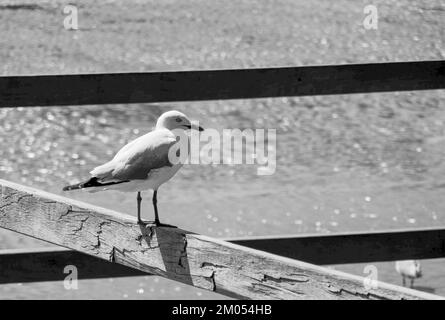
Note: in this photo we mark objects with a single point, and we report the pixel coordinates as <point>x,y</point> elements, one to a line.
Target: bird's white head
<point>175,120</point>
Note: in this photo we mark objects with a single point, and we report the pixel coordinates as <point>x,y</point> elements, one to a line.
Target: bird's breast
<point>157,177</point>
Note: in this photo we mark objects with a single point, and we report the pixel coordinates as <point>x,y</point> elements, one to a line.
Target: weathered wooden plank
<point>48,264</point>
<point>177,254</point>
<point>360,247</point>
<point>81,89</point>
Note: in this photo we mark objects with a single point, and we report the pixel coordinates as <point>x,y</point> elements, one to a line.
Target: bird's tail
<point>92,182</point>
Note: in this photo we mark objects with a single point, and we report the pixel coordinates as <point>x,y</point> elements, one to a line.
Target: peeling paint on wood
<point>177,254</point>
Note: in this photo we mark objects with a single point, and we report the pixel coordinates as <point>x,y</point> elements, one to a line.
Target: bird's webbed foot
<point>160,224</point>
<point>155,224</point>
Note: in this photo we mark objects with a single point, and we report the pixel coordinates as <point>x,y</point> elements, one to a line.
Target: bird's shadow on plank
<point>172,245</point>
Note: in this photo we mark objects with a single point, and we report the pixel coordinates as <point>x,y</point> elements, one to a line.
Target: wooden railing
<point>207,263</point>
<point>58,90</point>
<point>111,244</point>
<point>45,264</point>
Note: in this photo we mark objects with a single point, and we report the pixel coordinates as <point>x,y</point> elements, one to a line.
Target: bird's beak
<point>199,128</point>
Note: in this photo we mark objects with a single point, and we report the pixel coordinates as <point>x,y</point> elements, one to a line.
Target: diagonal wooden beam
<point>179,255</point>
<point>81,89</point>
<point>47,264</point>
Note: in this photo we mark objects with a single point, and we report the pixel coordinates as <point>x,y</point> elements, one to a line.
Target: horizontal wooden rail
<point>203,262</point>
<point>82,89</point>
<point>46,264</point>
<point>354,247</point>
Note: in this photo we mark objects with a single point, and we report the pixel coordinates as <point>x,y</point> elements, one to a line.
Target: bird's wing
<point>136,159</point>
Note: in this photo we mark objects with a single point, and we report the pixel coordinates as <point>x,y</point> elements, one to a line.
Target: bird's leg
<point>403,281</point>
<point>412,283</point>
<point>139,199</point>
<point>155,206</point>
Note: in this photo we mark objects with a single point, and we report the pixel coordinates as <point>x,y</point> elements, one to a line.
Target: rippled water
<point>344,163</point>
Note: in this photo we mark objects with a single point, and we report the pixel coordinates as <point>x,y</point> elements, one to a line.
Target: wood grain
<point>46,264</point>
<point>180,255</point>
<point>81,89</point>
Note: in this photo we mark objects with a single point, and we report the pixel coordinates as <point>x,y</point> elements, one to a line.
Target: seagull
<point>142,164</point>
<point>409,269</point>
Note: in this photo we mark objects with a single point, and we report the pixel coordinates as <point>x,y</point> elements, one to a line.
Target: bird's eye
<point>178,120</point>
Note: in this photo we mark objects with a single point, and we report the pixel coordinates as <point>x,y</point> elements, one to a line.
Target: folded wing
<point>136,159</point>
